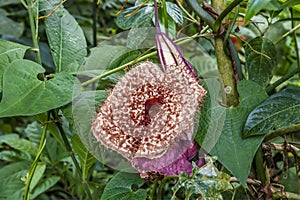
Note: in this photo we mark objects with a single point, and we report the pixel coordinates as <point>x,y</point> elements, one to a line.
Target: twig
<point>287,33</point>
<point>52,11</point>
<point>249,181</point>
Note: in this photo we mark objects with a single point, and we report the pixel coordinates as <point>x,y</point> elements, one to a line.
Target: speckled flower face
<point>148,110</point>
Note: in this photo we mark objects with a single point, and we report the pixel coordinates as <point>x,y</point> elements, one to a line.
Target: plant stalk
<point>71,152</point>
<point>260,168</point>
<point>225,67</point>
<point>35,162</point>
<point>33,20</point>
<point>162,185</point>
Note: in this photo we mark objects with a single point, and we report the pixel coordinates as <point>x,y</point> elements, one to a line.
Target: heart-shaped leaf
<point>9,51</point>
<point>261,60</point>
<point>25,94</point>
<point>234,152</point>
<point>124,186</point>
<point>280,110</point>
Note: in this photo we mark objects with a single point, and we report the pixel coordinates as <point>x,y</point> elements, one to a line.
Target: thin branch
<point>287,33</point>
<point>282,131</point>
<point>52,11</point>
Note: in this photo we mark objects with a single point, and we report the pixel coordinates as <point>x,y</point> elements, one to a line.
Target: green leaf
<point>206,181</point>
<point>9,51</point>
<point>234,152</point>
<point>10,176</point>
<point>14,141</point>
<point>289,3</point>
<point>253,7</point>
<point>38,174</point>
<point>65,36</point>
<point>260,60</point>
<point>212,116</point>
<point>44,185</point>
<point>122,187</point>
<point>28,95</point>
<point>87,160</point>
<point>280,110</point>
<point>129,18</point>
<point>9,26</point>
<point>101,58</point>
<point>175,12</point>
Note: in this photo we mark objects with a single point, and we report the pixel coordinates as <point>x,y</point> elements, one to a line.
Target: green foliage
<point>136,16</point>
<point>41,98</point>
<point>124,186</point>
<point>281,110</point>
<point>29,95</point>
<point>253,7</point>
<point>65,36</point>
<point>234,152</point>
<point>9,51</point>
<point>206,181</point>
<point>260,60</point>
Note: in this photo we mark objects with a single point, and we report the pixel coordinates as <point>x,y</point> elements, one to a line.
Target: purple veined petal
<point>170,54</point>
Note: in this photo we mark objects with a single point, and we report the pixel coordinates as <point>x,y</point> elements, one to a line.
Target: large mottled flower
<point>149,113</point>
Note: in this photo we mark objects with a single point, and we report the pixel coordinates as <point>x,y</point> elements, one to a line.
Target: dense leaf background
<point>59,60</point>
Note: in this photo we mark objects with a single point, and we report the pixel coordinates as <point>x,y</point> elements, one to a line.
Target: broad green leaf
<point>28,95</point>
<point>38,175</point>
<point>260,60</point>
<point>9,51</point>
<point>101,58</point>
<point>44,185</point>
<point>206,181</point>
<point>234,152</point>
<point>212,116</point>
<point>280,110</point>
<point>122,187</point>
<point>87,160</point>
<point>175,12</point>
<point>65,36</point>
<point>23,145</point>
<point>11,179</point>
<point>9,26</point>
<point>130,18</point>
<point>253,7</point>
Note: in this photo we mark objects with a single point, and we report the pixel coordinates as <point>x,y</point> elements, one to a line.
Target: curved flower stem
<point>37,157</point>
<point>162,185</point>
<point>180,41</point>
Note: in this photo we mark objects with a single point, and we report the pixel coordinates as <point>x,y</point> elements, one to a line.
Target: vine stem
<point>37,157</point>
<point>162,185</point>
<point>33,13</point>
<point>57,121</point>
